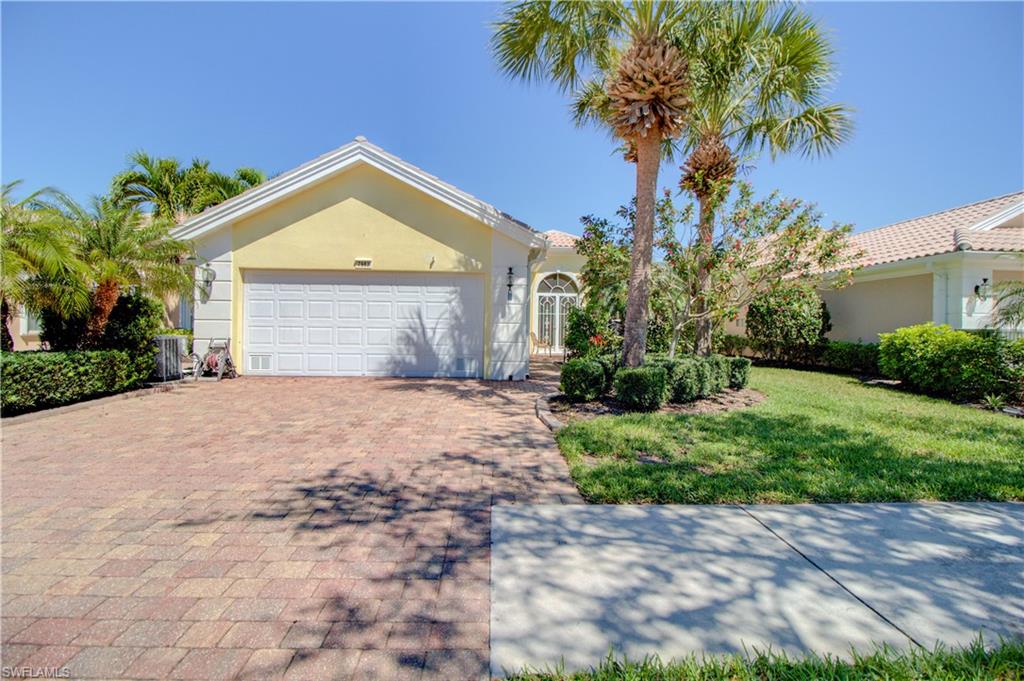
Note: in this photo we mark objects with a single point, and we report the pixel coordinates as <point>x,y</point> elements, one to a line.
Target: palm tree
<point>759,74</point>
<point>1009,304</point>
<point>35,245</point>
<point>219,187</point>
<point>620,60</point>
<point>122,247</point>
<point>173,192</point>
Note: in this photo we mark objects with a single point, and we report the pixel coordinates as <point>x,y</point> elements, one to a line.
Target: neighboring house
<point>24,327</point>
<point>555,287</point>
<point>939,268</point>
<point>359,263</point>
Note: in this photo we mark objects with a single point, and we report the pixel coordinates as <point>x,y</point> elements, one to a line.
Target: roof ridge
<point>946,210</point>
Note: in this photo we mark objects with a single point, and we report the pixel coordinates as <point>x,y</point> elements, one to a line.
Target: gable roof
<point>559,239</point>
<point>333,162</point>
<point>973,227</point>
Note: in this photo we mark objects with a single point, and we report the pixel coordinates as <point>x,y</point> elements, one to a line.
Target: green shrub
<point>858,358</point>
<point>39,380</point>
<point>134,321</point>
<point>582,380</point>
<point>642,388</point>
<point>580,328</point>
<point>788,323</point>
<point>672,369</point>
<point>731,344</point>
<point>739,372</point>
<point>718,373</point>
<point>690,381</point>
<point>940,360</point>
<point>610,365</point>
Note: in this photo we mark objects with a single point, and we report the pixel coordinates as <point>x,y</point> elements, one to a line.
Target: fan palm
<point>122,247</point>
<point>35,245</point>
<point>621,62</point>
<point>759,75</point>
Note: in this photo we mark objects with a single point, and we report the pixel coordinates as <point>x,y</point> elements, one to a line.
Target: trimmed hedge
<point>857,358</point>
<point>582,380</point>
<point>642,388</point>
<point>739,372</point>
<point>40,380</point>
<point>940,360</point>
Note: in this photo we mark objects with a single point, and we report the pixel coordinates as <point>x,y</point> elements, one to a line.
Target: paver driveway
<point>315,528</point>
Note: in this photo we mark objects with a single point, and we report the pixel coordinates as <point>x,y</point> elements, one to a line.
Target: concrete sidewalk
<point>572,582</point>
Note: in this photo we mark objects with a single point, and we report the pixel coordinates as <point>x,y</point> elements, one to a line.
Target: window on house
<point>32,324</point>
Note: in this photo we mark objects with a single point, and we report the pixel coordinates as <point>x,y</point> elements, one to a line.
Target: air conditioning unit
<point>169,350</point>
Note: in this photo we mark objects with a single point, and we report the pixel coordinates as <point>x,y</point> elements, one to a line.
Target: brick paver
<point>260,528</point>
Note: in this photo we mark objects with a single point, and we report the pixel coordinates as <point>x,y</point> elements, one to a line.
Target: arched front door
<point>556,295</point>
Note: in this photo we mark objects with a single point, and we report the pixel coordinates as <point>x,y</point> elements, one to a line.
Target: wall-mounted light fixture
<point>511,280</point>
<point>983,290</point>
<point>205,276</point>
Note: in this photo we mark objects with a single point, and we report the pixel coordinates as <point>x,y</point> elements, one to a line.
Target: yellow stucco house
<point>359,263</point>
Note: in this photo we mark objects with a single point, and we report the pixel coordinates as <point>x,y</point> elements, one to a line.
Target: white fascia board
<point>337,161</point>
<point>999,218</point>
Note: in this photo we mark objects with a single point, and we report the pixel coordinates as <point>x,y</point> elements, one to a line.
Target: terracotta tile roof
<point>943,232</point>
<point>561,239</point>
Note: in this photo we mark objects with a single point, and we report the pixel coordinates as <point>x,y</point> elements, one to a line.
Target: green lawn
<point>1004,663</point>
<point>816,438</point>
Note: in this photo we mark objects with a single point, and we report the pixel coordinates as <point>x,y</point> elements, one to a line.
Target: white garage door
<point>359,324</point>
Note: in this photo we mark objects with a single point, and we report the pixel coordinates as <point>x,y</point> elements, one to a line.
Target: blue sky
<point>938,90</point>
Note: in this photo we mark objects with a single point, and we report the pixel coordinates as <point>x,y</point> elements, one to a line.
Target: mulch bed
<point>728,400</point>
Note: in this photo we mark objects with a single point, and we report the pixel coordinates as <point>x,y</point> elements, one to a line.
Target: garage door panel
<point>320,309</point>
<point>289,362</point>
<point>320,335</point>
<point>289,309</point>
<point>261,309</point>
<point>319,363</point>
<point>349,337</point>
<point>289,335</point>
<point>261,335</point>
<point>366,323</point>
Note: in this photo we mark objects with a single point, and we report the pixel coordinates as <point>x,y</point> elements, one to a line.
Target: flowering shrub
<point>788,322</point>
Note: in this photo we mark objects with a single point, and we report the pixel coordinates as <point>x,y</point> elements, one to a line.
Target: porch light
<point>983,290</point>
<point>511,279</point>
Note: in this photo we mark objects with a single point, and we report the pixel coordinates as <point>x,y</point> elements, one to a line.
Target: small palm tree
<point>620,60</point>
<point>760,72</point>
<point>121,247</point>
<point>1009,304</point>
<point>219,187</point>
<point>35,245</point>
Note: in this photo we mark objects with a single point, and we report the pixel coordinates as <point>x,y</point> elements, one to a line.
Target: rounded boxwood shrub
<point>718,373</point>
<point>739,372</point>
<point>642,388</point>
<point>690,380</point>
<point>582,380</point>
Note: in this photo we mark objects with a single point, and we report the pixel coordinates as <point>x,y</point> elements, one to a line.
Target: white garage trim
<point>363,324</point>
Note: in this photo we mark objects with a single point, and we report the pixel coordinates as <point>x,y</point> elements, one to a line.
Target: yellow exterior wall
<point>361,213</point>
<point>557,261</point>
<point>863,310</point>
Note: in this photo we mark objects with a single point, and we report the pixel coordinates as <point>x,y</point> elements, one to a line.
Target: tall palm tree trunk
<point>705,235</point>
<point>104,298</point>
<point>648,157</point>
<point>6,340</point>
